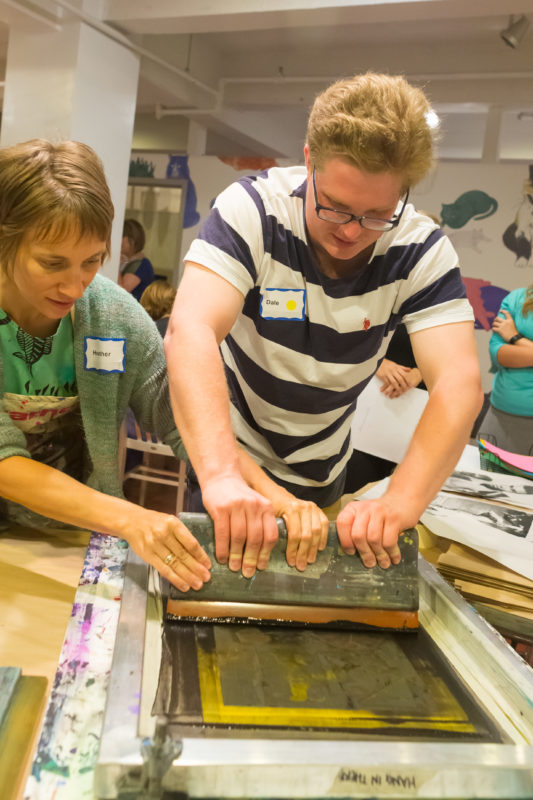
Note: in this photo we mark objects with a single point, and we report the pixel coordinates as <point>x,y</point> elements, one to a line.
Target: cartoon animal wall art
<point>178,167</point>
<point>518,236</point>
<point>474,204</point>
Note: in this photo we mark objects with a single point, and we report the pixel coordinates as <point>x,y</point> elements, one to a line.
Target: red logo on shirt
<point>51,412</point>
<point>366,324</point>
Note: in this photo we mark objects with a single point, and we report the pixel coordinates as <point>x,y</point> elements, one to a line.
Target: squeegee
<point>337,591</point>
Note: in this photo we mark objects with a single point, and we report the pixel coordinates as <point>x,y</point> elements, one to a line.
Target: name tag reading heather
<point>105,355</point>
<point>283,304</point>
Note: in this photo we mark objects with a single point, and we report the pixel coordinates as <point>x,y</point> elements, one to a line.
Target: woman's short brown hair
<point>158,299</point>
<point>378,123</point>
<point>49,190</point>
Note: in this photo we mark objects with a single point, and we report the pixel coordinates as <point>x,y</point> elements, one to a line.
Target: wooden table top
<point>39,575</point>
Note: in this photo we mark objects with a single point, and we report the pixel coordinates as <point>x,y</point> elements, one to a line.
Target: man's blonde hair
<point>378,123</point>
<point>48,191</point>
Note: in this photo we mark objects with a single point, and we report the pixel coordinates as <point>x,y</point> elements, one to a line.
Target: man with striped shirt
<point>290,296</point>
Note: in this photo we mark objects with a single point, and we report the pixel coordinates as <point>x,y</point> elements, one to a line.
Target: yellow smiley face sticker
<point>290,305</point>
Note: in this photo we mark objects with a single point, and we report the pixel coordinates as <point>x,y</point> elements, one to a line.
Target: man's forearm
<point>437,443</point>
<point>200,402</point>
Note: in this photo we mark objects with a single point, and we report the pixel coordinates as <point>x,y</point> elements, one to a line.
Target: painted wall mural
<point>518,237</point>
<point>473,204</point>
<point>491,228</point>
<point>485,299</point>
<point>249,163</point>
<point>178,167</point>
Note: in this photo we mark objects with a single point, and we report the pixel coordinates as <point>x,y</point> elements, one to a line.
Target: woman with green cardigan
<point>76,351</point>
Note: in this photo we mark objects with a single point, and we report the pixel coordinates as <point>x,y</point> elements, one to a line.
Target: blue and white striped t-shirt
<point>305,345</point>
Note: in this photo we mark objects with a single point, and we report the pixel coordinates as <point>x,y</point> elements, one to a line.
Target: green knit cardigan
<point>107,311</point>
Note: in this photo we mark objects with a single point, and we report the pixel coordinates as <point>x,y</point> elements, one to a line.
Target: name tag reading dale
<point>283,304</point>
<point>105,355</point>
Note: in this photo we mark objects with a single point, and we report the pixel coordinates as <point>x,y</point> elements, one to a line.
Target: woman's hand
<point>164,542</point>
<point>307,528</point>
<point>307,525</point>
<point>160,539</point>
<point>505,327</point>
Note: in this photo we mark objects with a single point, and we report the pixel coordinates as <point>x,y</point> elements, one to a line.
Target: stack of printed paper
<point>480,579</point>
<point>495,517</point>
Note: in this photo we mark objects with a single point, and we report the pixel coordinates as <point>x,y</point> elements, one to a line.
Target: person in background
<point>75,351</point>
<point>292,291</point>
<point>136,271</point>
<point>398,371</point>
<point>508,422</point>
<point>157,300</point>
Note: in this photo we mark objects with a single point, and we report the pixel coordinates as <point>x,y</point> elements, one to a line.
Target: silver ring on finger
<point>169,560</point>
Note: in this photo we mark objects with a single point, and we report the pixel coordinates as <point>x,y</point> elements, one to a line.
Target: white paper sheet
<point>470,461</point>
<point>384,426</point>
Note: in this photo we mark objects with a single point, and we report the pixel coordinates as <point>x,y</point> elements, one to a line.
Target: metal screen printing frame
<point>134,747</point>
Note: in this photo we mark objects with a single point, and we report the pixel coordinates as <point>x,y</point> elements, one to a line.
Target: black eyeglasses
<point>344,217</point>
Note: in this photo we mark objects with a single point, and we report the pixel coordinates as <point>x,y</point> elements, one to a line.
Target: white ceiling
<point>247,70</point>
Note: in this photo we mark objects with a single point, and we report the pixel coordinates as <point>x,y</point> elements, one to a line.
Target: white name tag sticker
<point>105,355</point>
<point>283,304</point>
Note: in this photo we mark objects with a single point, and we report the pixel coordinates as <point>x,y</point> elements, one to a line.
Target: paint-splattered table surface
<point>68,743</point>
<point>39,576</point>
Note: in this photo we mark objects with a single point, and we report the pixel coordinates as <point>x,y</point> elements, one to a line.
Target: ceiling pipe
<point>443,76</point>
<point>32,13</point>
<point>162,111</point>
<point>118,37</point>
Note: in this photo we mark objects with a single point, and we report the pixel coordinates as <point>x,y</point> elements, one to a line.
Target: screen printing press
<point>277,710</point>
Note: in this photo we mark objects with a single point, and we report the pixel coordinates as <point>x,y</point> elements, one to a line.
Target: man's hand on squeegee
<point>245,525</point>
<point>371,527</point>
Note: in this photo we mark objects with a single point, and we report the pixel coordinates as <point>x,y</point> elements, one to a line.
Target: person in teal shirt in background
<point>509,420</point>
